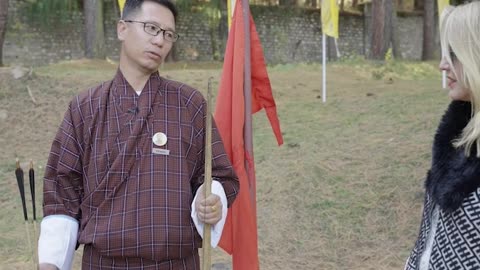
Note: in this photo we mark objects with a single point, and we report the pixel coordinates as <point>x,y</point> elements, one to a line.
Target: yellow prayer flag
<point>121,4</point>
<point>441,6</point>
<point>230,7</point>
<point>229,12</point>
<point>330,13</point>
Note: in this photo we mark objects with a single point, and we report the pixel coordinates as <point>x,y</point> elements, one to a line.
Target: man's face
<point>141,50</point>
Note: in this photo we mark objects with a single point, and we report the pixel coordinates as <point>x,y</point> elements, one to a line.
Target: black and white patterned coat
<point>452,184</point>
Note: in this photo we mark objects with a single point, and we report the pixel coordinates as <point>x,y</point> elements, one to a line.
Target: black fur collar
<point>453,176</point>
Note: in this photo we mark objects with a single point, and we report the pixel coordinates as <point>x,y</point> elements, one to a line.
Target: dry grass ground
<point>344,192</point>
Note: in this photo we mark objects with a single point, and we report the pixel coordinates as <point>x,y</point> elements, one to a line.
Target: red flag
<point>240,232</point>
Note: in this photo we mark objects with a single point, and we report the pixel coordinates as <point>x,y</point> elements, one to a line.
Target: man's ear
<point>121,30</point>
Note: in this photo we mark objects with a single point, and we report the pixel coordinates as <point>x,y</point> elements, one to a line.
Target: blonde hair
<point>460,32</point>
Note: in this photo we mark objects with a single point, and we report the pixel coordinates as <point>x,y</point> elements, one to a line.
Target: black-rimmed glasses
<point>155,30</point>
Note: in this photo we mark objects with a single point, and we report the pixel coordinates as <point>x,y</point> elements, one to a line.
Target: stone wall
<point>287,35</point>
<point>411,37</point>
<point>30,44</point>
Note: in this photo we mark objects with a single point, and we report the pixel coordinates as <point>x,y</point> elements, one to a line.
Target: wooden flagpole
<point>206,246</point>
<point>247,91</point>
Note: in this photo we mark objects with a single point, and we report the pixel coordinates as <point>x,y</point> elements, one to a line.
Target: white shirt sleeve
<point>58,238</point>
<point>217,229</point>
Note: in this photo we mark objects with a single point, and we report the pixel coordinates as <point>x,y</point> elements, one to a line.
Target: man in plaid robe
<point>128,161</point>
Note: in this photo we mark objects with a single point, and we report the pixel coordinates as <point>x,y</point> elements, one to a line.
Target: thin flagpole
<point>206,247</point>
<point>247,90</point>
<point>324,68</point>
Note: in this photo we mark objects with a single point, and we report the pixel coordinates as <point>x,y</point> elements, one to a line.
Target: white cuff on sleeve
<point>217,229</point>
<point>58,237</point>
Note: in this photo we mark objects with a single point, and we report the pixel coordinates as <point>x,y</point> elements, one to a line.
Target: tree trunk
<point>388,27</point>
<point>214,40</point>
<point>378,30</point>
<point>311,3</point>
<point>384,29</point>
<point>395,34</point>
<point>223,28</point>
<point>418,4</point>
<point>428,30</point>
<point>3,26</point>
<point>94,32</point>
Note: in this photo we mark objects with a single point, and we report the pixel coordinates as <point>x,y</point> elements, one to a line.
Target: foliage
<point>389,55</point>
<point>48,13</point>
<point>390,68</point>
<point>387,68</point>
<point>211,11</point>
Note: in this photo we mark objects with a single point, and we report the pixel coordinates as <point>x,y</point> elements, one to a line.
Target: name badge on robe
<point>159,151</point>
<point>160,139</point>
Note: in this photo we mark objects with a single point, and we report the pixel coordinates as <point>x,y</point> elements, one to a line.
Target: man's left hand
<point>209,210</point>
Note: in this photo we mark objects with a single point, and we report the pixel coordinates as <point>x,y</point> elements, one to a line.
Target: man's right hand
<point>47,266</point>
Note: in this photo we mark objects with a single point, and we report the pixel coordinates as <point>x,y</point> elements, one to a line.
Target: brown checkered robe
<point>133,205</point>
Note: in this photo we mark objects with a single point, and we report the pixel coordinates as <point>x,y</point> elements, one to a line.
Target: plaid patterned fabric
<point>93,260</point>
<point>130,201</point>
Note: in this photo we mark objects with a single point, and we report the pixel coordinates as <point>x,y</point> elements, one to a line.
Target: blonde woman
<point>449,235</point>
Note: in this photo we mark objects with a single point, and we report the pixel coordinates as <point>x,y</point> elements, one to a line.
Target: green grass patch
<point>344,191</point>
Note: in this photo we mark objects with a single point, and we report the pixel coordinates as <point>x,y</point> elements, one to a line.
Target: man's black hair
<point>132,6</point>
